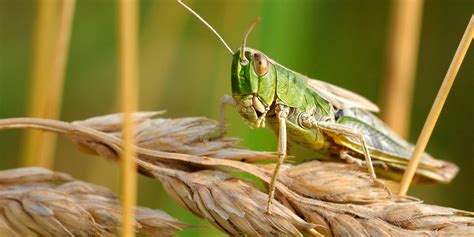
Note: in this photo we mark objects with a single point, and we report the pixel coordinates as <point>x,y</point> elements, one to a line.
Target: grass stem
<point>437,107</point>
<point>401,64</point>
<point>49,66</point>
<point>128,71</point>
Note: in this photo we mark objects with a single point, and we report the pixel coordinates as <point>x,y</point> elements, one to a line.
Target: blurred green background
<point>185,70</point>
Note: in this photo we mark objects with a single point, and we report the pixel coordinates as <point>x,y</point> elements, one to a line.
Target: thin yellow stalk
<point>61,50</point>
<point>401,64</point>
<point>49,65</point>
<point>33,140</point>
<point>437,107</point>
<point>128,65</point>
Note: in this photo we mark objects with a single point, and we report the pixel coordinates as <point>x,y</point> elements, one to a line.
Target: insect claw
<point>381,163</point>
<point>222,131</point>
<point>380,183</point>
<point>268,212</point>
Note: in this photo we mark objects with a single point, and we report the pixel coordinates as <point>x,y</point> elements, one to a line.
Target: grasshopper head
<point>253,85</point>
<point>253,77</point>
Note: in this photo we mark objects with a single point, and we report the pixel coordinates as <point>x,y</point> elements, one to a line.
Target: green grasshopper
<point>334,122</point>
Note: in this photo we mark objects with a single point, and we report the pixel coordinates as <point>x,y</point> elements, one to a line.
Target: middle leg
<point>346,131</point>
<point>344,155</point>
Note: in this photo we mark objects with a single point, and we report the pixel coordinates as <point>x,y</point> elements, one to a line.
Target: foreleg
<point>282,114</point>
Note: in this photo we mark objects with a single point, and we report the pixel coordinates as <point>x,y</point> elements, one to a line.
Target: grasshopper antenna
<point>244,40</point>
<point>207,24</point>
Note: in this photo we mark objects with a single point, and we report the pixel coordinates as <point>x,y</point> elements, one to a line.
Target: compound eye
<point>260,63</point>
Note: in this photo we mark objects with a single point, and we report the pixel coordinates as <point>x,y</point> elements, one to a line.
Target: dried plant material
<point>52,37</point>
<point>367,210</point>
<point>400,69</point>
<point>194,136</point>
<point>39,202</point>
<point>31,175</point>
<point>231,204</point>
<point>38,147</point>
<point>437,106</point>
<point>127,51</point>
<point>335,199</point>
<point>336,182</point>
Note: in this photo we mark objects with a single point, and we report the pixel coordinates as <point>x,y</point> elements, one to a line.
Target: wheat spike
<point>192,135</point>
<point>317,198</point>
<point>231,204</point>
<point>40,202</point>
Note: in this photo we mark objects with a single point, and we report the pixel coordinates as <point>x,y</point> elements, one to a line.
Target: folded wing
<point>341,98</point>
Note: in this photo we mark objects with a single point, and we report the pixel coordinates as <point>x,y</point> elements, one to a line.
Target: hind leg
<point>344,155</point>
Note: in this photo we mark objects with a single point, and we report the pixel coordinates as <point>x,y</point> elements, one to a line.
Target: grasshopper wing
<point>341,98</point>
<point>386,146</point>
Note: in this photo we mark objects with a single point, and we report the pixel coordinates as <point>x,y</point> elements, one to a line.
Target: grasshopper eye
<point>260,63</point>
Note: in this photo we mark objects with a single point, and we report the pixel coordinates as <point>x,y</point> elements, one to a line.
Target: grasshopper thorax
<point>253,85</point>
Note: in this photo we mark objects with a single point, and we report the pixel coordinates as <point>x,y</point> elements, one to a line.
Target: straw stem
<point>128,64</point>
<point>437,107</point>
<point>49,66</point>
<point>401,64</point>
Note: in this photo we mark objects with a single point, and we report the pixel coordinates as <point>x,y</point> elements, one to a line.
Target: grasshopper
<point>334,122</point>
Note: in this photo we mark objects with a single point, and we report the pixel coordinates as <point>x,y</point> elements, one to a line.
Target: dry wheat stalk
<point>375,211</point>
<point>231,204</point>
<point>334,199</point>
<point>193,135</point>
<point>40,202</point>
